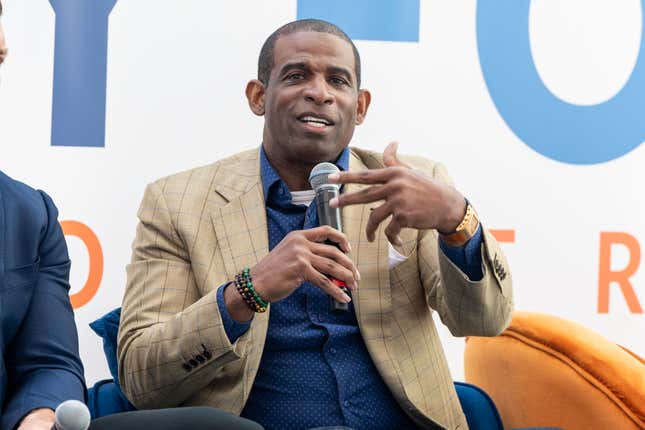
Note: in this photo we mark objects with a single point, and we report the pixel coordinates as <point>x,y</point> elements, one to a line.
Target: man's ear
<point>364,99</point>
<point>255,95</point>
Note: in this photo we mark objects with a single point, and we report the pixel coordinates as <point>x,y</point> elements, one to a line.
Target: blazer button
<point>187,367</point>
<point>206,353</point>
<point>200,358</point>
<point>193,362</point>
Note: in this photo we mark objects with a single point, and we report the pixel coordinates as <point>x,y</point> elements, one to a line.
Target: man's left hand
<point>38,419</point>
<point>412,198</point>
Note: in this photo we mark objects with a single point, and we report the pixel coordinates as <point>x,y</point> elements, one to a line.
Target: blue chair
<point>480,411</point>
<point>106,397</point>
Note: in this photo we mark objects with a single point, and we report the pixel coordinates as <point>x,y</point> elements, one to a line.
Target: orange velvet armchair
<point>547,371</point>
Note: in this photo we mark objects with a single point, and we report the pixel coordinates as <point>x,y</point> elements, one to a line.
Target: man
<point>218,245</point>
<point>39,364</point>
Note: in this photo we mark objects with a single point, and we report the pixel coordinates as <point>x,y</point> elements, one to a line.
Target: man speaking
<point>227,298</point>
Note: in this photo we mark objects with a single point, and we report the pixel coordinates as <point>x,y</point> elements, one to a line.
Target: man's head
<point>308,91</point>
<point>3,44</point>
<point>265,61</point>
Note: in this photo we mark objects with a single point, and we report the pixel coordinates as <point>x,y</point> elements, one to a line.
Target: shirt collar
<point>271,177</point>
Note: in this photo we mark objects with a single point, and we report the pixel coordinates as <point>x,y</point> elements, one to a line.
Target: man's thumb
<point>389,156</point>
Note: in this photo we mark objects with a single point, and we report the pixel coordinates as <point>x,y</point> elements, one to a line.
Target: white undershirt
<point>302,197</point>
<point>307,196</point>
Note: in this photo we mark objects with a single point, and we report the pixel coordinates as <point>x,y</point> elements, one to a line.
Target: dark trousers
<point>189,418</point>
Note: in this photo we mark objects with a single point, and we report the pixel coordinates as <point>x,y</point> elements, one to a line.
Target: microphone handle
<point>331,217</point>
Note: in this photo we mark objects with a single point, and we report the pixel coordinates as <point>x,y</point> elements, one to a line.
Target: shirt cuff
<point>467,257</point>
<point>233,329</point>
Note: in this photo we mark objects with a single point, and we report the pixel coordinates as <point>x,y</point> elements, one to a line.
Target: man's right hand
<point>38,419</point>
<point>302,256</point>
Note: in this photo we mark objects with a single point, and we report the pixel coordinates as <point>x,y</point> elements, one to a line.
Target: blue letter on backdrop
<point>392,20</point>
<point>80,63</point>
<point>556,129</point>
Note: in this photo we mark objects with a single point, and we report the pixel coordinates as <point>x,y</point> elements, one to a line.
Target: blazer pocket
<point>22,276</point>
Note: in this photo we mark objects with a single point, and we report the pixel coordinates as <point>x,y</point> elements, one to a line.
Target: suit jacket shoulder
<point>26,218</point>
<point>215,183</point>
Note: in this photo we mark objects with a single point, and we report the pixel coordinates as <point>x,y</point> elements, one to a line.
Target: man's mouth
<point>318,121</point>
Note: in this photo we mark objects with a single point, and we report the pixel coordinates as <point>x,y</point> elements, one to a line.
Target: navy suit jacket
<point>39,364</point>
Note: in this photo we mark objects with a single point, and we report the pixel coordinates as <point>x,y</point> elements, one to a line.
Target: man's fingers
<point>366,195</point>
<point>369,177</point>
<point>324,283</point>
<point>335,270</point>
<point>392,232</point>
<point>334,253</point>
<point>389,155</point>
<point>390,158</point>
<point>375,219</point>
<point>323,233</point>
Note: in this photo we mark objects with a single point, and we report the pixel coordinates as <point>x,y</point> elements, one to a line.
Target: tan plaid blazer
<point>198,228</point>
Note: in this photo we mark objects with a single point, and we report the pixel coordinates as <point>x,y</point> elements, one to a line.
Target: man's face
<point>312,102</point>
<point>3,45</point>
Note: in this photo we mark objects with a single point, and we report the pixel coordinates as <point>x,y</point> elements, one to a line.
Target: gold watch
<point>465,230</point>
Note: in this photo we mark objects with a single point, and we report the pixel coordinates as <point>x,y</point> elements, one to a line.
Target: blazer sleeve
<point>467,308</point>
<point>171,340</point>
<point>43,362</point>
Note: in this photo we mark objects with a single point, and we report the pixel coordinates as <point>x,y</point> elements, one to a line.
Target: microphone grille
<point>319,174</point>
<point>72,415</point>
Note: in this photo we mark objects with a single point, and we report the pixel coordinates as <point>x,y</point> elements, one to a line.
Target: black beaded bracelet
<point>244,286</point>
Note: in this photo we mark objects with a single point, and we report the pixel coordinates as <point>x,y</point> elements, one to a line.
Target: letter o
<point>557,129</point>
<point>83,232</point>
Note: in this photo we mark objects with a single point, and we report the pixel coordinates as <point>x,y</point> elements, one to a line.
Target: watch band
<point>465,230</point>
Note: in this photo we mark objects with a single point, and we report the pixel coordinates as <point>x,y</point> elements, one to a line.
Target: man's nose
<point>317,91</point>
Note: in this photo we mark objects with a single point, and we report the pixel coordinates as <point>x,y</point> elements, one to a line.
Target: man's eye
<point>295,76</point>
<point>339,81</point>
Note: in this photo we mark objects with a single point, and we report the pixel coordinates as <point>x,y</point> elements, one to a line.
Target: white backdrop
<point>175,82</point>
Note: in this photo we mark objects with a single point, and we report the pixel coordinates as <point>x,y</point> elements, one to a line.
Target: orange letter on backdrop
<point>504,236</point>
<point>83,232</point>
<point>606,276</point>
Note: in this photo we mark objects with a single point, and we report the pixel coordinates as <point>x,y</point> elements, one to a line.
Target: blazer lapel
<point>242,236</point>
<point>240,225</point>
<point>372,300</point>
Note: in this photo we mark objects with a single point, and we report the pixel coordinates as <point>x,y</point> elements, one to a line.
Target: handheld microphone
<point>72,415</point>
<point>326,215</point>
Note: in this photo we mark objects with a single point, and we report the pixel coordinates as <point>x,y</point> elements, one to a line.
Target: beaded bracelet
<point>244,286</point>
